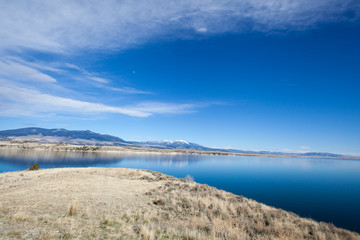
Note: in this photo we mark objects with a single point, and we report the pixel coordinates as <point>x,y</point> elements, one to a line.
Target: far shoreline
<point>65,147</point>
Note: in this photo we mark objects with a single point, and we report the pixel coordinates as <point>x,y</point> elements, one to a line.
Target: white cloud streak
<point>18,70</point>
<point>21,95</point>
<point>37,65</point>
<point>87,74</point>
<point>98,79</point>
<point>17,101</point>
<point>73,66</point>
<point>165,108</point>
<point>66,25</point>
<point>22,72</point>
<point>103,82</point>
<point>129,90</point>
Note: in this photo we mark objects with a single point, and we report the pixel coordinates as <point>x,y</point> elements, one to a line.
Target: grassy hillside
<point>103,203</point>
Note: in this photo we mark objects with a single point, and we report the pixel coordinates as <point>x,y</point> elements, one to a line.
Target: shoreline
<point>64,147</point>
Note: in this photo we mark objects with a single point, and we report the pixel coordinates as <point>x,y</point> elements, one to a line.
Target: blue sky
<point>253,75</point>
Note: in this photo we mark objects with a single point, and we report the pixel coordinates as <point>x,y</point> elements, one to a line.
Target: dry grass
<point>100,203</point>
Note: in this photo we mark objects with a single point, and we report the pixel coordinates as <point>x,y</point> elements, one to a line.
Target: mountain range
<point>78,137</point>
<point>87,137</point>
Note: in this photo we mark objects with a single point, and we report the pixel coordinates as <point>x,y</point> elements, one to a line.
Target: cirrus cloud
<point>61,28</point>
<point>65,26</point>
<point>17,101</point>
<point>22,72</point>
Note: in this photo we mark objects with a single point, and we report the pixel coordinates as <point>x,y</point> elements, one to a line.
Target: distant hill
<point>321,154</point>
<point>60,135</point>
<point>177,144</point>
<point>87,137</point>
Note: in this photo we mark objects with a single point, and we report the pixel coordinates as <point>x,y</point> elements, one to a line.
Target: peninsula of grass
<point>115,203</point>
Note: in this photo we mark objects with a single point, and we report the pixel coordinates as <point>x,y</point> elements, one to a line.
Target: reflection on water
<point>49,158</point>
<point>324,189</point>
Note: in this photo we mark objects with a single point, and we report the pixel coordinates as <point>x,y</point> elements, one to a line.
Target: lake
<point>324,189</point>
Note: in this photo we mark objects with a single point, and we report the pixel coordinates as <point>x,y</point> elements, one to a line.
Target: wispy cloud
<point>103,82</point>
<point>14,70</point>
<point>19,70</point>
<point>16,101</point>
<point>73,66</point>
<point>129,90</point>
<point>71,27</point>
<point>35,64</point>
<point>65,26</point>
<point>98,79</point>
<point>305,147</point>
<point>25,90</point>
<point>161,107</point>
<point>32,102</point>
<point>88,75</point>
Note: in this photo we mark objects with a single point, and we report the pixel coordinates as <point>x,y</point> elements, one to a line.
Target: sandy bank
<point>103,203</point>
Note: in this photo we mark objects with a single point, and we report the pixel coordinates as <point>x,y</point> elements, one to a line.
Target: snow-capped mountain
<point>175,144</point>
<point>87,137</point>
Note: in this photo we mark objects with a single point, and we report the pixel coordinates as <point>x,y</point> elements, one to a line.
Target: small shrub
<point>35,166</point>
<point>158,202</point>
<point>125,218</point>
<point>136,218</point>
<point>66,236</point>
<point>73,210</point>
<point>108,223</point>
<point>14,234</point>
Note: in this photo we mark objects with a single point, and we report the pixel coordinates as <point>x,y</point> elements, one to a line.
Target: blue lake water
<point>324,189</point>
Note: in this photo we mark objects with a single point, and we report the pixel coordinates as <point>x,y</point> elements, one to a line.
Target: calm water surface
<point>323,189</point>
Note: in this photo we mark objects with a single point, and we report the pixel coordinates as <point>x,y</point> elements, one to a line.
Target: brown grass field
<point>109,203</point>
